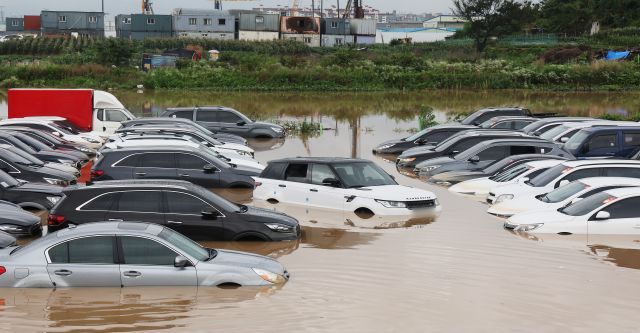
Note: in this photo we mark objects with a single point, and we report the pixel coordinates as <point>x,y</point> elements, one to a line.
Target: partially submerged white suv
<point>345,184</point>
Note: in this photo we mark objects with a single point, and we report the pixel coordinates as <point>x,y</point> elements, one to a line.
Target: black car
<point>543,125</point>
<point>486,152</point>
<point>508,123</point>
<point>32,170</point>
<point>17,221</point>
<point>460,142</point>
<point>42,146</point>
<point>28,195</point>
<point>183,163</point>
<point>428,136</point>
<point>184,207</point>
<point>482,115</point>
<point>182,122</point>
<point>454,177</point>
<point>227,120</point>
<point>53,141</point>
<point>16,139</point>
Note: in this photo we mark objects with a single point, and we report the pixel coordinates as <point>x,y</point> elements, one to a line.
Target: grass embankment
<point>285,65</point>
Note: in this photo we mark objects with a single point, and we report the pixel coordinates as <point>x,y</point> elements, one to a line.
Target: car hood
<point>390,142</point>
<point>482,185</point>
<point>393,193</point>
<point>418,151</point>
<point>236,146</point>
<point>539,216</point>
<point>262,124</point>
<point>246,171</point>
<point>248,260</point>
<point>520,205</point>
<point>40,188</point>
<point>260,214</point>
<point>58,155</point>
<point>436,161</point>
<point>19,217</point>
<point>6,240</point>
<point>457,176</point>
<point>49,172</point>
<point>63,168</point>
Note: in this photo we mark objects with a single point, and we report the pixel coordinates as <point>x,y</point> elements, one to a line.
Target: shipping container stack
<point>201,23</point>
<point>364,31</point>
<point>301,28</point>
<point>259,26</point>
<point>336,32</point>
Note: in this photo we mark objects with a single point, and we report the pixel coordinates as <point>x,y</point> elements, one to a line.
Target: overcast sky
<point>113,7</point>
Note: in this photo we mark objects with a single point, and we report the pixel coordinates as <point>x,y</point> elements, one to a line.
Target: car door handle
<point>115,220</point>
<point>313,190</point>
<point>184,175</point>
<point>141,173</point>
<point>282,185</point>
<point>63,272</point>
<point>174,222</point>
<point>133,274</point>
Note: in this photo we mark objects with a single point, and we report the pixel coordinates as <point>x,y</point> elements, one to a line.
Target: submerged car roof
<point>623,192</point>
<point>152,120</point>
<point>543,163</point>
<point>606,181</point>
<point>201,107</point>
<point>320,160</point>
<point>152,149</point>
<point>577,163</point>
<point>561,119</point>
<point>110,227</point>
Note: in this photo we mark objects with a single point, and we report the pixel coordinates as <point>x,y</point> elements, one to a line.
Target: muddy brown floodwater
<point>458,273</point>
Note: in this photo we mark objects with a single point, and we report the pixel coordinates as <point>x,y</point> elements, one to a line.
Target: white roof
<point>105,100</point>
<point>609,181</point>
<point>543,163</point>
<point>573,164</point>
<point>624,192</point>
<point>589,123</point>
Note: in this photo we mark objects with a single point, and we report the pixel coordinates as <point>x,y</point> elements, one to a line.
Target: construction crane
<point>294,7</point>
<point>358,10</point>
<point>146,7</point>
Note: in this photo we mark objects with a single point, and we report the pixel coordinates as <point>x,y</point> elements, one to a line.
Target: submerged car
<point>508,122</point>
<point>28,195</point>
<point>122,254</point>
<point>613,212</point>
<point>179,205</point>
<point>59,127</point>
<point>182,123</point>
<point>347,184</point>
<point>429,136</point>
<point>28,168</point>
<point>543,125</point>
<point>16,221</point>
<point>562,196</point>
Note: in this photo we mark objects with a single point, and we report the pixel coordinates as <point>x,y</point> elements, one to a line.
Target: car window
<point>624,209</point>
<point>535,173</point>
<point>182,203</point>
<point>597,190</point>
<point>632,139</point>
<point>228,117</point>
<point>579,174</point>
<point>320,172</point>
<point>571,133</point>
<point>210,116</point>
<point>140,202</point>
<point>493,153</point>
<point>88,250</point>
<point>519,150</point>
<point>438,136</point>
<point>359,174</point>
<point>102,202</point>
<point>296,172</point>
<point>623,172</point>
<point>183,114</point>
<point>192,162</point>
<point>115,115</point>
<point>503,125</point>
<point>158,160</point>
<point>129,161</point>
<point>520,124</point>
<point>465,144</point>
<point>6,167</point>
<point>274,171</point>
<point>601,141</point>
<point>144,251</point>
<point>100,114</point>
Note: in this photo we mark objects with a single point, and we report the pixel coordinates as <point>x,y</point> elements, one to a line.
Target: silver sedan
<point>121,254</point>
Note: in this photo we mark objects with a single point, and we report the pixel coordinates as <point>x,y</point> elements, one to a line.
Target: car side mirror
<point>180,262</point>
<point>564,182</point>
<point>603,215</point>
<point>475,159</point>
<point>56,133</point>
<point>241,123</point>
<point>208,168</point>
<point>564,139</point>
<point>331,182</point>
<point>210,214</point>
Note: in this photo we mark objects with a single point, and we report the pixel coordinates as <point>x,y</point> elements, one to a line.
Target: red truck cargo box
<point>32,23</point>
<point>74,104</point>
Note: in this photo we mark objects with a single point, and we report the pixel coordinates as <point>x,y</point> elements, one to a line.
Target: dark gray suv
<point>181,163</point>
<point>227,120</point>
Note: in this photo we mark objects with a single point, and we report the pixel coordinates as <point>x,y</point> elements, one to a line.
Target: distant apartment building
<point>72,23</point>
<point>200,23</point>
<point>259,26</point>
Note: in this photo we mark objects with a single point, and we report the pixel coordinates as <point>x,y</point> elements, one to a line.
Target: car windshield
<point>587,205</point>
<point>576,140</point>
<point>563,192</point>
<point>510,173</point>
<point>67,126</point>
<point>548,176</point>
<point>33,143</point>
<point>7,179</point>
<point>533,126</point>
<point>20,157</point>
<point>185,244</point>
<point>417,135</point>
<point>552,133</point>
<point>448,142</point>
<point>362,174</point>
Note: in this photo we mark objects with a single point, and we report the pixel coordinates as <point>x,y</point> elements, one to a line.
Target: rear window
<point>183,114</point>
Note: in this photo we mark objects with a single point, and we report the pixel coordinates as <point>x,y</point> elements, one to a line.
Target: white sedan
<point>612,212</point>
<point>562,196</point>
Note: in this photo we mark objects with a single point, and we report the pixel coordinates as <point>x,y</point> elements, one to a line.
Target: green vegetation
<point>304,127</point>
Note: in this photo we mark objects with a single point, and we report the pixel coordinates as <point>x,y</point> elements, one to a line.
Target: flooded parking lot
<point>458,272</point>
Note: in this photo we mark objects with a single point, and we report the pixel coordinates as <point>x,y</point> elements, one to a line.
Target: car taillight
<point>2,270</point>
<point>96,173</point>
<point>54,219</point>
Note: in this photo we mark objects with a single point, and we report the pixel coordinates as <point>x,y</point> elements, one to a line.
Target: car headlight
<point>86,150</point>
<point>53,199</point>
<point>392,204</point>
<point>528,227</point>
<point>429,168</point>
<point>56,181</point>
<point>408,159</point>
<point>277,227</point>
<point>10,228</point>
<point>92,140</point>
<point>269,276</point>
<point>503,197</point>
<point>387,146</point>
<point>277,129</point>
<point>66,162</point>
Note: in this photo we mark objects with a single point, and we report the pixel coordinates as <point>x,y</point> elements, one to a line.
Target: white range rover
<point>345,184</point>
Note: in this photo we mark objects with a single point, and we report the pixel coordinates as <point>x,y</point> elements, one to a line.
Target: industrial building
<point>258,26</point>
<point>151,26</point>
<point>336,32</point>
<point>14,24</point>
<point>199,23</point>
<point>301,28</point>
<point>363,31</point>
<point>72,23</point>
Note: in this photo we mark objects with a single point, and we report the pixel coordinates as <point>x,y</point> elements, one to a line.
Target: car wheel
<point>229,285</point>
<point>364,213</point>
<point>273,201</point>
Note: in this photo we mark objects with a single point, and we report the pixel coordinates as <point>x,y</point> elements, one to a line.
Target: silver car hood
<point>249,260</point>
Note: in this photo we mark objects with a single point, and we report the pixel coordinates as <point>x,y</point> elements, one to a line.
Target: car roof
<point>605,127</point>
<point>577,163</point>
<point>599,123</point>
<point>543,163</point>
<point>624,192</point>
<point>516,140</point>
<point>452,125</point>
<point>201,107</point>
<point>88,229</point>
<point>160,128</point>
<point>500,118</point>
<point>489,131</point>
<point>153,149</point>
<point>499,108</point>
<point>138,183</point>
<point>561,119</point>
<point>606,181</point>
<point>319,160</point>
<point>158,120</point>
